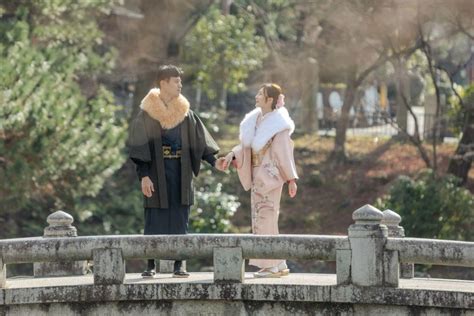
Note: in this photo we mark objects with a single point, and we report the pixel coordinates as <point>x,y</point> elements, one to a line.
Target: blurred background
<point>381,91</point>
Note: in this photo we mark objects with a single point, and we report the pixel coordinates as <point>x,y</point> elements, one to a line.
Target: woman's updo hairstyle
<point>272,90</point>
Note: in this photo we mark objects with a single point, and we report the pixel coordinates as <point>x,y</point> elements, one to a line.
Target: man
<point>167,143</point>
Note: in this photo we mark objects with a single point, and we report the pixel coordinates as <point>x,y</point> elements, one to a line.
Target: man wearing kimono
<point>167,143</point>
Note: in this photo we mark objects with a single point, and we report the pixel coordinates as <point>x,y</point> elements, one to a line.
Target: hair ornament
<point>281,101</point>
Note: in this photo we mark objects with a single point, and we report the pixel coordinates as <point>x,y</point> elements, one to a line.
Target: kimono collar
<point>272,123</point>
<point>169,115</point>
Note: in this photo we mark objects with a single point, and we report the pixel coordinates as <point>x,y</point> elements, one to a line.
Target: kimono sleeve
<point>208,144</point>
<point>139,149</point>
<point>203,146</point>
<point>238,156</point>
<point>283,149</point>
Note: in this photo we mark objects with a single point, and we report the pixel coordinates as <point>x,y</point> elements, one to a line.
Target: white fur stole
<point>274,122</point>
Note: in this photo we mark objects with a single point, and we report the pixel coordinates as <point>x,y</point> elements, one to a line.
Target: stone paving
<point>207,277</point>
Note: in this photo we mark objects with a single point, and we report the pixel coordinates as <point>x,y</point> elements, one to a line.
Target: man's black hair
<point>165,72</point>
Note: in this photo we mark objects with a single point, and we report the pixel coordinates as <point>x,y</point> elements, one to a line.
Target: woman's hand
<point>227,160</point>
<point>220,164</point>
<point>292,188</point>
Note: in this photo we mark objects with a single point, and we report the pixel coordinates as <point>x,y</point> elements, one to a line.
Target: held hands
<point>223,163</point>
<point>220,164</point>
<point>228,159</point>
<point>292,188</point>
<point>147,186</point>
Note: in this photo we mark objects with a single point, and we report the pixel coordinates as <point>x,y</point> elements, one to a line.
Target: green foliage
<point>432,207</point>
<point>117,209</point>
<point>58,141</point>
<point>213,208</point>
<point>223,50</point>
<point>457,111</point>
<point>277,18</point>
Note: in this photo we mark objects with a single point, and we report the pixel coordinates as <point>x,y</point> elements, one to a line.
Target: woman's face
<point>260,100</point>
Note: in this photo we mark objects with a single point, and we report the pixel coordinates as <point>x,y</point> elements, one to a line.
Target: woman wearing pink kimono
<point>264,162</point>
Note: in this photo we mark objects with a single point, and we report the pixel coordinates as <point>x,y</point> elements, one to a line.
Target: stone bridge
<point>374,273</point>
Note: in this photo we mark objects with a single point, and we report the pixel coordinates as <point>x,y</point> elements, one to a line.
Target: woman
<point>264,162</point>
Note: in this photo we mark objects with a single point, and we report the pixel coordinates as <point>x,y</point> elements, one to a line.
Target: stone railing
<point>375,252</point>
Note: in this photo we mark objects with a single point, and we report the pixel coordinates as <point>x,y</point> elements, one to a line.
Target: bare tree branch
<point>193,20</point>
<point>414,139</point>
<point>426,49</point>
<point>463,29</point>
<point>451,75</point>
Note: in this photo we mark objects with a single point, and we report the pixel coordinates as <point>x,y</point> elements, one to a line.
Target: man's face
<point>172,87</point>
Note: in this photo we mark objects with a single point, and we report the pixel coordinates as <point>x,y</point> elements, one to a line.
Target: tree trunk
<point>309,98</point>
<point>310,119</point>
<point>460,163</point>
<point>436,127</point>
<point>225,6</point>
<point>339,151</point>
<point>198,98</point>
<point>223,97</point>
<point>225,10</point>
<point>402,90</point>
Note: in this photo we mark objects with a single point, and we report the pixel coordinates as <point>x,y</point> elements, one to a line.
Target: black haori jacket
<point>145,145</point>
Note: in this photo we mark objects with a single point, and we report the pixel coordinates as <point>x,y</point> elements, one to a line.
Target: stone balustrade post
<point>59,226</point>
<point>343,264</point>
<point>228,265</point>
<point>109,266</point>
<point>392,220</point>
<point>3,274</point>
<point>367,238</point>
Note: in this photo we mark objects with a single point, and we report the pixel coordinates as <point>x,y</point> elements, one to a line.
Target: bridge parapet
<point>60,225</point>
<point>392,220</point>
<point>368,256</point>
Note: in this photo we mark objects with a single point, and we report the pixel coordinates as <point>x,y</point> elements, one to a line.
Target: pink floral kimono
<point>264,162</point>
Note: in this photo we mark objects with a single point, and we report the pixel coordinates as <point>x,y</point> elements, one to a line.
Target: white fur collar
<point>169,115</point>
<point>273,123</point>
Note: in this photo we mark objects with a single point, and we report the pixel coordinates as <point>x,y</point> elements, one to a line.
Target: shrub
<point>432,207</point>
<point>213,209</point>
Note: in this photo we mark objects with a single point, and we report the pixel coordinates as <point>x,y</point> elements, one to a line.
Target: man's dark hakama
<point>174,219</point>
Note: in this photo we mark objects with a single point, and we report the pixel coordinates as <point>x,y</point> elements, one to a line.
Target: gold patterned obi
<point>257,157</point>
<point>169,154</point>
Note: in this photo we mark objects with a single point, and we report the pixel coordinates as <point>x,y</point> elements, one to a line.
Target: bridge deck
<point>207,277</point>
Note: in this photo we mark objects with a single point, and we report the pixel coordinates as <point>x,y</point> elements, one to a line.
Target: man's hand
<point>292,188</point>
<point>147,186</point>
